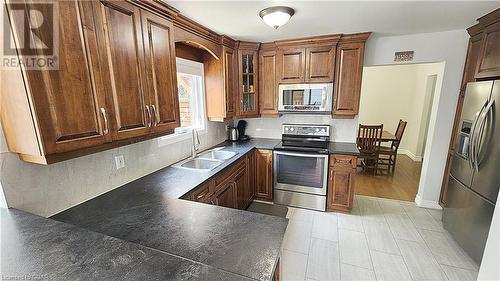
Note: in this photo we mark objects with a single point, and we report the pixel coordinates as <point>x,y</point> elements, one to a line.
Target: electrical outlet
<point>120,162</point>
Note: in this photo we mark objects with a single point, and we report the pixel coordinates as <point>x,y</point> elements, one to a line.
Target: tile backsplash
<point>342,130</point>
<point>47,190</point>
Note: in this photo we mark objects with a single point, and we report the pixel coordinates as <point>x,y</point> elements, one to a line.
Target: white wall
<point>393,92</point>
<point>449,47</point>
<point>47,190</point>
<point>342,130</point>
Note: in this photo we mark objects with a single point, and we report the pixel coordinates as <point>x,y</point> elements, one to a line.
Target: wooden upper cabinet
<point>229,80</point>
<point>348,79</point>
<point>68,101</point>
<point>320,64</point>
<point>161,72</point>
<point>291,65</point>
<point>248,91</point>
<point>471,61</point>
<point>122,55</point>
<point>268,86</point>
<point>489,58</point>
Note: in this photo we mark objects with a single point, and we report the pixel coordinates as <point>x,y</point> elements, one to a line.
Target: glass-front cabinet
<point>248,71</point>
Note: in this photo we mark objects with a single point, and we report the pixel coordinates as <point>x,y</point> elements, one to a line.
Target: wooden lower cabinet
<point>246,186</point>
<point>277,272</point>
<point>340,191</point>
<point>234,187</point>
<point>264,167</point>
<point>243,195</point>
<point>226,195</point>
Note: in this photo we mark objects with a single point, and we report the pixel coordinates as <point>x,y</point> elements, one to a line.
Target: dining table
<point>387,136</point>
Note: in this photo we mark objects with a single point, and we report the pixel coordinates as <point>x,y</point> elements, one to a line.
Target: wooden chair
<point>388,155</point>
<point>369,139</point>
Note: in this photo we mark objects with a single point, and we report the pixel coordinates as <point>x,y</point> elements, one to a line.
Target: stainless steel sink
<point>217,155</point>
<point>201,164</point>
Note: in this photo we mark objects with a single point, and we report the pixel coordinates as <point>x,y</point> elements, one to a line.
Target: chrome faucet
<point>196,143</point>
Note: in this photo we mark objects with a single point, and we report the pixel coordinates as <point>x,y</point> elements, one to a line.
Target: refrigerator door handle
<point>472,148</point>
<point>481,131</point>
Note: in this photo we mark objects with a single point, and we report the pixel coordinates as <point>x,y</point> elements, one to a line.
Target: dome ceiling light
<point>276,16</point>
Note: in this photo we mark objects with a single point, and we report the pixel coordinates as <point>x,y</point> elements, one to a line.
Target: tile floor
<point>381,239</point>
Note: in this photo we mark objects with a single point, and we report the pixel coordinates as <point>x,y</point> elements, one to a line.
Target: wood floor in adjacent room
<point>403,185</point>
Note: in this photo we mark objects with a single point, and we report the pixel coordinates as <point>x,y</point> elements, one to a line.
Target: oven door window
<point>301,171</point>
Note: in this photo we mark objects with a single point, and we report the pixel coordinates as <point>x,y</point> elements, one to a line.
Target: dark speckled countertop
<point>142,231</point>
<point>346,148</point>
<point>148,213</point>
<point>36,248</point>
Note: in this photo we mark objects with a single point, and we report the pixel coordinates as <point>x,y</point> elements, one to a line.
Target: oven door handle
<point>301,154</point>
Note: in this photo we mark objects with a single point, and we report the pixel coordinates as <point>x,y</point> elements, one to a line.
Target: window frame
<point>184,133</point>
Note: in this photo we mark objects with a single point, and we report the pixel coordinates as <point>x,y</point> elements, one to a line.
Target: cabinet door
<point>268,90</point>
<point>242,188</point>
<point>489,59</point>
<point>473,52</point>
<point>348,79</point>
<point>251,173</point>
<point>264,188</point>
<point>68,102</point>
<point>122,42</point>
<point>161,72</point>
<point>291,65</point>
<point>248,86</point>
<point>320,64</point>
<point>340,192</point>
<point>229,80</point>
<point>226,195</point>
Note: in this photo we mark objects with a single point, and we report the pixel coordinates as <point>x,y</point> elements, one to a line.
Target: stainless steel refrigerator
<point>475,172</point>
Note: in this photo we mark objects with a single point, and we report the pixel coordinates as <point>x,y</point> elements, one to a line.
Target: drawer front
<point>203,192</point>
<point>228,172</point>
<point>343,161</point>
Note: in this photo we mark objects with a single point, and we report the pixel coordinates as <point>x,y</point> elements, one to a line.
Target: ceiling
<point>240,20</point>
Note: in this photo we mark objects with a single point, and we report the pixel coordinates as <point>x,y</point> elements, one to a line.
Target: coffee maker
<point>242,125</point>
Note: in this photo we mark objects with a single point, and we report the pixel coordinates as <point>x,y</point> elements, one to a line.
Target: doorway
<point>390,93</point>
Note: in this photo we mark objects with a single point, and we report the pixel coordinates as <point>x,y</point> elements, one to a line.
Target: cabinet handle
<point>156,119</point>
<point>202,195</point>
<point>106,125</point>
<point>148,111</point>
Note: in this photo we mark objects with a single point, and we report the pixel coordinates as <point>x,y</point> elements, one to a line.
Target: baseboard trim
<point>427,203</point>
<point>410,154</point>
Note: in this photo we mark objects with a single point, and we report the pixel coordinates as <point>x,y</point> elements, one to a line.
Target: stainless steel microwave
<point>314,98</point>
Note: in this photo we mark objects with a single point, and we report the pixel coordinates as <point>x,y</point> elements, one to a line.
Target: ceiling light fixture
<point>276,16</point>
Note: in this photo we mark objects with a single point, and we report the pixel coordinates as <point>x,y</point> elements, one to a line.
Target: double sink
<point>208,160</point>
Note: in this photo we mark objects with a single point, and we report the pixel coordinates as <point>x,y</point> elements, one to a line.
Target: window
<point>191,89</point>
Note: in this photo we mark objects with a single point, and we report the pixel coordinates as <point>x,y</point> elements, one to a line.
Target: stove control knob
<point>286,129</point>
<point>317,130</point>
<point>323,130</point>
<point>292,129</point>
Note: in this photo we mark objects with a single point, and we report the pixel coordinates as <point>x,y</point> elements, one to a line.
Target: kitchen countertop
<point>147,212</point>
<point>132,230</point>
<point>36,248</point>
<point>346,148</point>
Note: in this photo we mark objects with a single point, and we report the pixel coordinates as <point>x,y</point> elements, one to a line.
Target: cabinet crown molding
<point>323,39</point>
<point>355,37</point>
